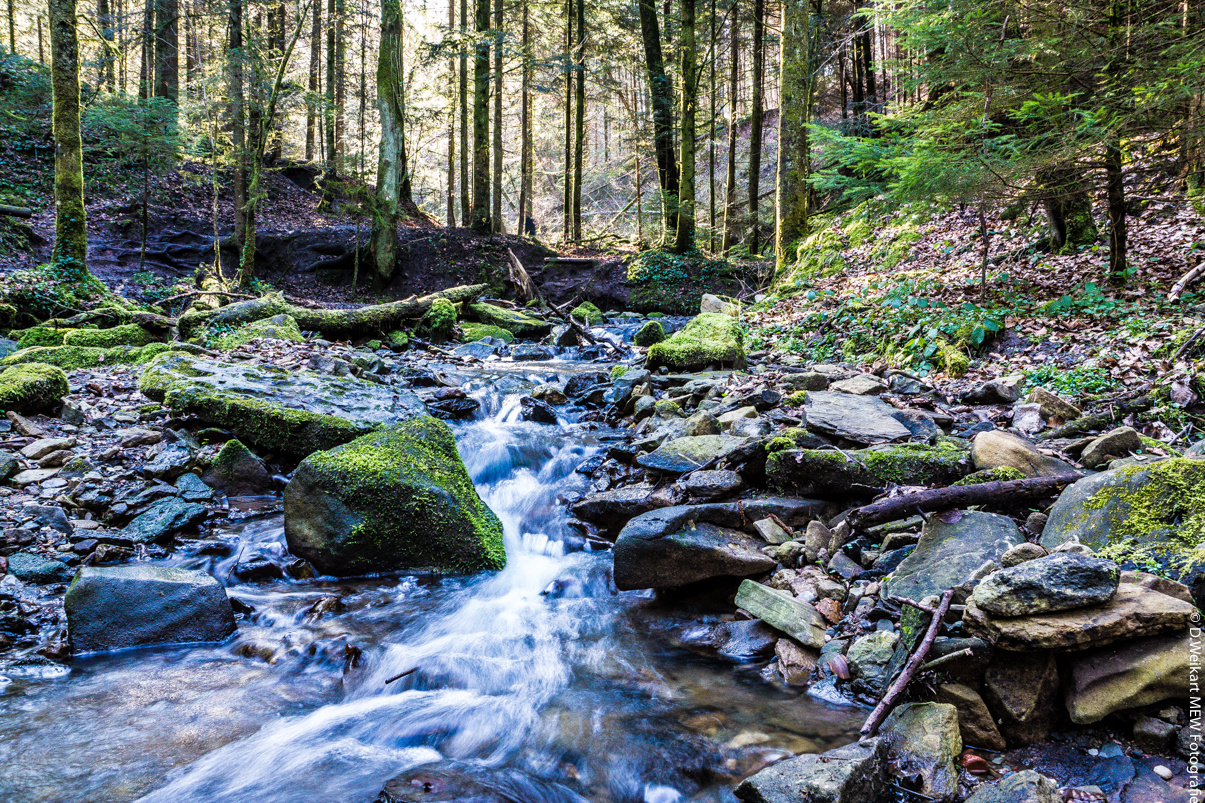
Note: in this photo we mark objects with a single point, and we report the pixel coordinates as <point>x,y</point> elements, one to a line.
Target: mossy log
<point>375,319</point>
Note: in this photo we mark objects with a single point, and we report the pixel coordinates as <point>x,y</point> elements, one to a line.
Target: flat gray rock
<point>163,519</point>
<point>951,552</point>
<point>686,454</point>
<point>856,773</point>
<point>1059,582</point>
<point>862,419</point>
<point>117,607</point>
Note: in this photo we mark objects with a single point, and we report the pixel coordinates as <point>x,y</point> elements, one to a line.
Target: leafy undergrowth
<point>907,289</point>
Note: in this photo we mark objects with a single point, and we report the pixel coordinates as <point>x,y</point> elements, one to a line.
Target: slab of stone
<point>1115,443</point>
<point>953,553</point>
<point>975,722</point>
<point>1053,406</point>
<point>782,611</point>
<point>860,385</point>
<point>999,449</point>
<point>44,446</point>
<point>923,740</point>
<point>712,483</point>
<point>1128,675</point>
<point>1133,612</point>
<point>666,552</point>
<point>1052,583</point>
<point>856,773</point>
<point>1026,786</point>
<point>117,607</point>
<point>686,454</point>
<point>1021,691</point>
<point>163,519</point>
<point>193,489</point>
<point>861,419</point>
<point>33,568</point>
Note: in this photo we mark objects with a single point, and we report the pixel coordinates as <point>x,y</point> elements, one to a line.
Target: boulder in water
<point>396,499</point>
<point>856,773</point>
<point>512,321</point>
<point>116,607</point>
<point>235,471</point>
<point>462,782</point>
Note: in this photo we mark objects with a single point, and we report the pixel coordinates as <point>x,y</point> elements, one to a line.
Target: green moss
<point>1000,474</point>
<point>263,424</point>
<point>414,467</point>
<point>900,246</point>
<point>229,457</point>
<point>821,254</point>
<point>372,345</point>
<point>476,331</point>
<point>161,372</point>
<point>39,336</point>
<point>709,339</point>
<point>70,358</point>
<point>8,316</point>
<point>438,321</point>
<point>796,399</point>
<point>592,314</point>
<point>954,360</point>
<point>665,407</point>
<point>31,387</point>
<point>857,230</point>
<point>650,334</point>
<point>279,327</point>
<point>514,322</point>
<point>130,334</point>
<point>617,371</point>
<point>867,471</point>
<point>399,338</point>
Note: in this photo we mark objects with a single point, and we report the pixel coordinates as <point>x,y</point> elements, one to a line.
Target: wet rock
<point>861,419</point>
<point>193,489</point>
<point>869,660</point>
<point>1026,786</point>
<point>44,446</point>
<point>807,380</point>
<point>452,403</point>
<point>726,420</point>
<point>771,532</point>
<point>235,471</point>
<point>1120,442</point>
<point>1153,735</point>
<point>578,384</point>
<point>665,548</point>
<point>537,411</point>
<point>51,516</point>
<point>795,661</point>
<point>34,568</point>
<point>550,394</point>
<point>780,610</point>
<point>172,460</point>
<point>449,781</point>
<point>952,552</point>
<point>1028,418</point>
<point>1133,612</point>
<point>9,465</point>
<point>686,454</point>
<point>1127,675</point>
<point>624,385</point>
<point>1021,691</point>
<point>255,569</point>
<point>923,740</point>
<point>529,352</point>
<point>130,438</point>
<point>292,412</point>
<point>744,640</point>
<point>341,507</point>
<point>702,423</point>
<point>612,509</point>
<point>1052,583</point>
<point>856,773</point>
<point>999,449</point>
<point>478,350</point>
<point>164,519</point>
<point>975,722</point>
<point>113,608</point>
<point>712,484</point>
<point>860,385</point>
<point>864,473</point>
<point>708,339</point>
<point>1003,390</point>
<point>1021,553</point>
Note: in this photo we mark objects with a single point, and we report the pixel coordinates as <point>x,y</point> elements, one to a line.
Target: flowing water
<point>540,672</point>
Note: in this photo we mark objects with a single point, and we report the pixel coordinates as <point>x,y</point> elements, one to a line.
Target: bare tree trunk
<point>465,201</point>
<point>684,242</point>
<point>580,121</point>
<point>311,106</point>
<point>389,167</point>
<point>41,47</point>
<point>497,224</point>
<point>730,207</point>
<point>662,93</point>
<point>12,28</point>
<point>146,74</point>
<point>333,29</point>
<point>104,21</point>
<point>791,190</point>
<point>756,122</point>
<point>567,232</point>
<point>526,166</point>
<point>451,181</point>
<point>167,50</point>
<point>70,218</point>
<point>340,150</point>
<point>238,125</point>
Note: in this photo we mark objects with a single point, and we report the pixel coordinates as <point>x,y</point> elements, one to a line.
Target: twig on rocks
<point>901,683</point>
<point>948,659</point>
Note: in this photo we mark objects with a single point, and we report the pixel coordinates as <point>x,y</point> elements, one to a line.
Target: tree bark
<point>332,71</point>
<point>711,60</point>
<point>451,179</point>
<point>525,143</point>
<point>167,50</point>
<point>661,92</point>
<point>497,224</point>
<point>389,168</point>
<point>730,207</point>
<point>756,122</point>
<point>12,28</point>
<point>936,499</point>
<point>311,106</point>
<point>567,215</point>
<point>684,241</point>
<point>70,219</point>
<point>1115,191</point>
<point>466,202</point>
<point>104,21</point>
<point>146,69</point>
<point>791,191</point>
<point>579,126</point>
<point>481,119</point>
<point>237,123</point>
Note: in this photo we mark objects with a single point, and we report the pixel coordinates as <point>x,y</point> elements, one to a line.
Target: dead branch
<point>1184,281</point>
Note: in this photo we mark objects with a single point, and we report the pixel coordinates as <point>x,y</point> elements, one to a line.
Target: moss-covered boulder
<point>438,321</point>
<point>512,321</point>
<point>31,387</point>
<point>650,334</point>
<point>235,471</point>
<point>130,334</point>
<point>1147,516</point>
<point>709,339</point>
<point>394,500</point>
<point>864,473</point>
<point>70,358</point>
<point>39,336</point>
<point>276,410</point>
<point>472,332</point>
<point>588,312</point>
<point>278,327</point>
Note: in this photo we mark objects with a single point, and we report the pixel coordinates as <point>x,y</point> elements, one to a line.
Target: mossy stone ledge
<point>516,323</point>
<point>31,387</point>
<point>130,334</point>
<point>70,358</point>
<point>398,499</point>
<point>864,473</point>
<point>709,339</point>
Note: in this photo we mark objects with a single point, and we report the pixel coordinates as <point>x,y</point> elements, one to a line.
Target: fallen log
<point>519,278</point>
<point>1184,281</point>
<point>885,705</point>
<point>1090,423</point>
<point>936,499</point>
<point>16,211</point>
<point>366,321</point>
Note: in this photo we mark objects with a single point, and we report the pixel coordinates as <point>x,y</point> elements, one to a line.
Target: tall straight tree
<point>106,56</point>
<point>70,219</point>
<point>525,143</point>
<point>451,180</point>
<point>146,68</point>
<point>496,222</point>
<point>579,126</point>
<point>12,28</point>
<point>684,241</point>
<point>481,118</point>
<point>311,106</point>
<point>167,50</point>
<point>389,163</point>
<point>791,190</point>
<point>730,208</point>
<point>661,91</point>
<point>238,132</point>
<point>466,201</point>
<point>756,122</point>
<point>567,229</point>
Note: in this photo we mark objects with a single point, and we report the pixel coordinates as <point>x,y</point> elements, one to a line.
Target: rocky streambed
<point>621,562</point>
